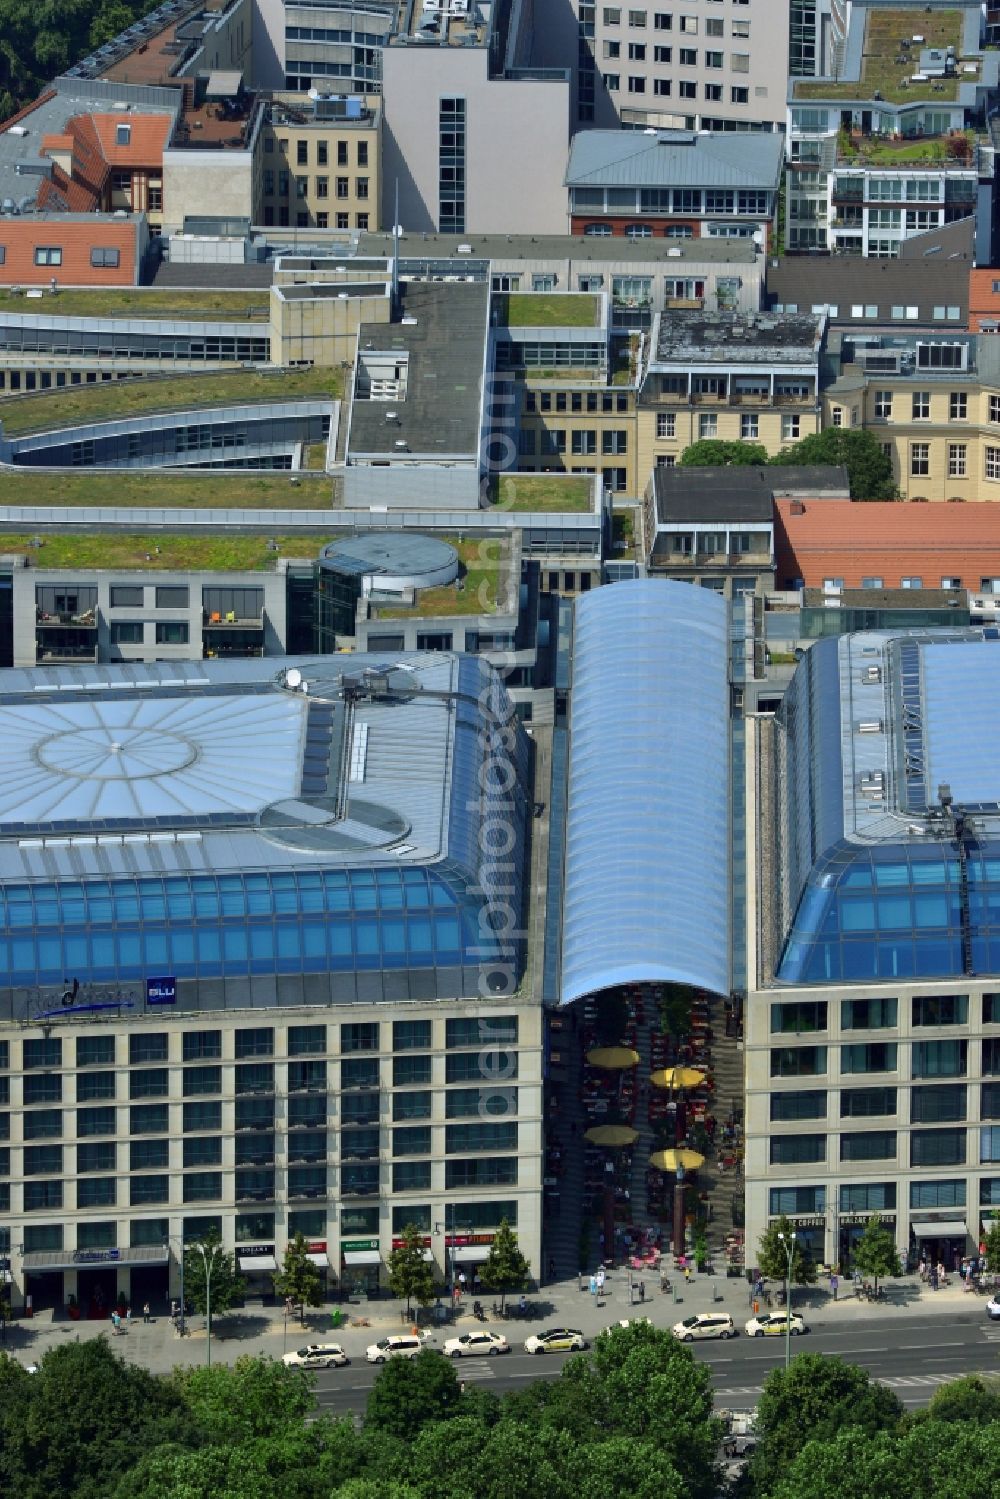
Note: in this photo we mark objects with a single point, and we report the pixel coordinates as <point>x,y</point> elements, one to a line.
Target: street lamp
<point>206,1260</point>
<point>178,1239</point>
<point>788,1240</point>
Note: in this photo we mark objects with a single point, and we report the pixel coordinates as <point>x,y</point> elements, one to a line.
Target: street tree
<point>410,1275</point>
<point>875,1253</point>
<point>971,1399</point>
<point>869,470</point>
<point>993,1247</point>
<point>819,1396</point>
<point>505,1268</point>
<point>299,1279</point>
<point>711,452</point>
<point>411,1393</point>
<point>256,1398</point>
<point>927,1460</point>
<point>772,1256</point>
<point>212,1283</point>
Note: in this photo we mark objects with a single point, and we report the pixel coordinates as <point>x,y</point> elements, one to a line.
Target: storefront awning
<point>470,1254</point>
<point>93,1259</point>
<point>321,1261</point>
<point>950,1228</point>
<point>255,1264</point>
<point>362,1257</point>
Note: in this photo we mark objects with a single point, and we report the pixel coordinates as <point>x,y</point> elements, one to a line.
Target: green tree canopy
<point>772,1256</point>
<point>299,1279</point>
<point>821,1396</point>
<point>212,1283</point>
<point>993,1247</point>
<point>715,453</point>
<point>930,1460</point>
<point>410,1275</point>
<point>506,1268</point>
<point>971,1399</point>
<point>875,1252</point>
<point>411,1393</point>
<point>869,470</point>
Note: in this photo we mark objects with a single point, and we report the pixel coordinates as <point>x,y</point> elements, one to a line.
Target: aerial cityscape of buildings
<point>462,598</point>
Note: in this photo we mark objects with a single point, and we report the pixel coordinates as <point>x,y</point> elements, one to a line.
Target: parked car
<point>471,1343</point>
<point>993,1307</point>
<point>556,1340</point>
<point>396,1347</point>
<point>316,1356</point>
<point>772,1325</point>
<point>705,1325</point>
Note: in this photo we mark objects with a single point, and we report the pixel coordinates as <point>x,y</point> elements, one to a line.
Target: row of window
<point>321,189</point>
<point>259,1185</point>
<point>938,1104</point>
<point>880,1197</point>
<point>927,1059</point>
<point>591,400</point>
<point>322,146</point>
<point>686,89</point>
<point>256,1227</point>
<point>881,1013</point>
<point>957,461</point>
<point>934,1147</point>
<point>258,1041</point>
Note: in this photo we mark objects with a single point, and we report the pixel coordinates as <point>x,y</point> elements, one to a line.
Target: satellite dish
<point>293,677</point>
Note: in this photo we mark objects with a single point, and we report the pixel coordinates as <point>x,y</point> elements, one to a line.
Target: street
<point>913,1358</point>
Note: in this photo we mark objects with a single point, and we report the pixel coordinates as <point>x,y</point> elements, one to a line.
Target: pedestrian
<point>834,1285</point>
<point>600,1282</point>
<point>642,1290</point>
<point>461,1282</point>
<point>552,1268</point>
<point>173,1311</point>
<point>687,1275</point>
<point>145,1311</point>
<point>593,1285</point>
<point>128,1318</point>
<point>116,1324</point>
<point>461,1388</point>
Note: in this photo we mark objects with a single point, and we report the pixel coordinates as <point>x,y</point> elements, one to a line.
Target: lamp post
<point>206,1261</point>
<point>178,1239</point>
<point>788,1240</point>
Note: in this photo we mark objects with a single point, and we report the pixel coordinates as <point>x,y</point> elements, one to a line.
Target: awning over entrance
<point>93,1259</point>
<point>362,1257</point>
<point>950,1228</point>
<point>470,1254</point>
<point>256,1264</point>
<point>321,1261</point>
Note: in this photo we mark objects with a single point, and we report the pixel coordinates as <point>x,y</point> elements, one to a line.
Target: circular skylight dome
<point>110,754</point>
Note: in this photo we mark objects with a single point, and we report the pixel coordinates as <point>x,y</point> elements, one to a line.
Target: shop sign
<point>96,1256</point>
<point>456,1241</point>
<point>316,1246</point>
<point>809,1222</point>
<point>256,1251</point>
<point>425,1240</point>
<point>855,1218</point>
<point>161,991</point>
<point>346,1244</point>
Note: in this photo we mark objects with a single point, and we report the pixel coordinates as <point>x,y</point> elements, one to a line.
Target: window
<point>105,259</point>
<point>256,1077</point>
<point>95,1051</point>
<point>411,1035</point>
<point>100,1156</point>
<point>992,467</point>
<point>411,1069</point>
<point>126,632</point>
<point>47,1088</point>
<point>411,1176</point>
<point>172,597</point>
<point>152,1082</point>
<point>995,408</point>
<point>749,427</point>
<point>42,1160</point>
<point>958,406</point>
<point>255,1042</point>
<point>415,1105</point>
<point>799,1015</point>
<point>666,424</point>
<point>97,1235</point>
<point>48,255</point>
<point>957,460</point>
<point>708,425</point>
<point>637,51</point>
<point>204,1150</point>
<point>148,1155</point>
<point>940,1058</point>
<point>584,443</point>
<point>790,1150</point>
<point>614,442</point>
<point>146,1119</point>
<point>739,96</point>
<point>941,1009</point>
<point>837,416</point>
<point>869,1145</point>
<point>202,1080</point>
<point>875,1056</point>
<point>306,1040</point>
<point>411,1141</point>
<point>481,1171</point>
<point>868,1014</point>
<point>796,1201</point>
<point>205,1186</point>
<point>920,459</point>
<point>480,1102</point>
<point>937,1147</point>
<point>205,1114</point>
<point>126,597</point>
<point>911,582</point>
<point>883,405</point>
<point>172,632</point>
<point>939,1105</point>
<point>360,1037</point>
<point>790,428</point>
<point>662,21</point>
<point>637,18</point>
<point>798,1061</point>
<point>921,405</point>
<point>868,1197</point>
<point>713,59</point>
<point>44,1124</point>
<point>199,1045</point>
<point>144,1189</point>
<point>474,1067</point>
<point>42,1053</point>
<point>863,1103</point>
<point>688,57</point>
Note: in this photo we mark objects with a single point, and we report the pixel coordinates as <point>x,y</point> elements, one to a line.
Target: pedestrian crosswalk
<point>897,1382</point>
<point>475,1368</point>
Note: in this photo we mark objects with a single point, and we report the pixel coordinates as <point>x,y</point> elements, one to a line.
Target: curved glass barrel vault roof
<point>216,824</point>
<point>647,861</point>
<point>872,884</point>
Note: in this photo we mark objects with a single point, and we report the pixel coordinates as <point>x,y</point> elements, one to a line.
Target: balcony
<point>754,560</point>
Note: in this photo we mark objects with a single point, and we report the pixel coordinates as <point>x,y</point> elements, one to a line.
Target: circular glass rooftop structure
<point>393,561</point>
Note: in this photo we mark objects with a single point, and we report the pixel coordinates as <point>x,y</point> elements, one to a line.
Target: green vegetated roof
<point>544,310</point>
<point>481,560</point>
<point>149,488</point>
<point>111,400</point>
<point>228,551</point>
<point>552,492</point>
<point>885,29</point>
<point>137,302</point>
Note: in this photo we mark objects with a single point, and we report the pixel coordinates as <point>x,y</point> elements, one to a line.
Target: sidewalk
<point>263,1331</point>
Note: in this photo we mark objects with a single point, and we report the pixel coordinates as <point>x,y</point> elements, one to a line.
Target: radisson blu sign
<point>161,991</point>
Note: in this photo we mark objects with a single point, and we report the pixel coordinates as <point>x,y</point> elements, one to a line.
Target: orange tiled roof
<point>148,136</point>
<point>854,540</point>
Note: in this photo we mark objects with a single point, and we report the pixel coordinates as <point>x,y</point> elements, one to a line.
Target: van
<point>395,1347</point>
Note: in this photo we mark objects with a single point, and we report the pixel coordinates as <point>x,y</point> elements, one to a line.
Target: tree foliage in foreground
<point>37,42</point>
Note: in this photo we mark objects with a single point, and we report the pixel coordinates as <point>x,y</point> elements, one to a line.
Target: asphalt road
<point>914,1358</point>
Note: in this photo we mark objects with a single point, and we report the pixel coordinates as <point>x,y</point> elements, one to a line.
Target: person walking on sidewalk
<point>145,1311</point>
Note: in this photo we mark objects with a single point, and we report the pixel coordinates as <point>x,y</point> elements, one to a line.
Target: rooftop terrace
<point>888,67</point>
<point>731,338</point>
<point>112,549</point>
<point>142,302</point>
<point>479,577</point>
<point>544,492</point>
<point>541,310</point>
<point>161,488</point>
<point>119,399</point>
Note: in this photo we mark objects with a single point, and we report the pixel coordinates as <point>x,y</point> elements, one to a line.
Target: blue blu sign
<point>161,991</point>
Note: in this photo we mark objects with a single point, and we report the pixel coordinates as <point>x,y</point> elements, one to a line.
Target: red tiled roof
<point>853,540</point>
<point>148,136</point>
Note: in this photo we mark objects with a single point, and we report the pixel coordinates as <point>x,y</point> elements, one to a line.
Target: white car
<point>704,1325</point>
<point>402,1346</point>
<point>773,1324</point>
<point>993,1307</point>
<point>473,1343</point>
<point>556,1340</point>
<point>316,1356</point>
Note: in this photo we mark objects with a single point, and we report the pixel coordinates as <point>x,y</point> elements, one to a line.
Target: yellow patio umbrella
<point>611,1135</point>
<point>616,1058</point>
<point>677,1077</point>
<point>676,1160</point>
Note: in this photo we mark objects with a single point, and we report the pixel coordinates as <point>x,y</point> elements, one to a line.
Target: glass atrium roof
<point>878,879</point>
<point>647,864</point>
